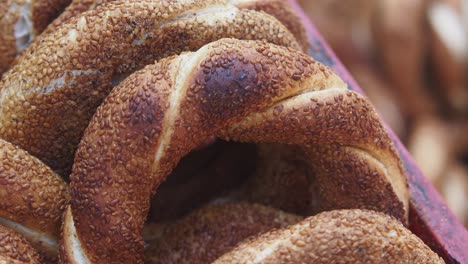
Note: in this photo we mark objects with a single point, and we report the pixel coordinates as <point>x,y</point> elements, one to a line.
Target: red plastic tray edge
<point>430,218</point>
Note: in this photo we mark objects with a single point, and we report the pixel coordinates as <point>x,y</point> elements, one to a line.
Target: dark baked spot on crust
<point>226,86</point>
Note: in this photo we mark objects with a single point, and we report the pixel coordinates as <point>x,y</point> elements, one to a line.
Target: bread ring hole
<point>219,172</point>
<point>274,175</point>
<point>206,173</point>
<point>270,174</point>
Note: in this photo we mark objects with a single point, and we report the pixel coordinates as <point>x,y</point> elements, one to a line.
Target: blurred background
<point>410,57</point>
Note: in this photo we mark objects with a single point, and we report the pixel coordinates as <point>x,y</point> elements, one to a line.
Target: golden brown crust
<point>47,99</point>
<point>342,236</point>
<point>242,90</point>
<point>75,8</point>
<point>20,13</point>
<point>16,250</point>
<point>32,198</point>
<point>208,233</point>
<point>283,12</point>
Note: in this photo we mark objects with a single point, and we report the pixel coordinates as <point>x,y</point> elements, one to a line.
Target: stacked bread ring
<point>260,91</point>
<point>15,249</point>
<point>33,199</point>
<point>349,236</point>
<point>219,228</point>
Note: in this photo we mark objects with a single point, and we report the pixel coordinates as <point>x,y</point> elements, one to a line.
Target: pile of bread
<point>100,108</point>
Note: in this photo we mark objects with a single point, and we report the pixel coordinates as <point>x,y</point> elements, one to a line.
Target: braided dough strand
<point>277,8</point>
<point>48,97</point>
<point>243,90</point>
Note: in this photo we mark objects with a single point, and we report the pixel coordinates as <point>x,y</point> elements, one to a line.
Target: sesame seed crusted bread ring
<point>48,97</point>
<point>241,90</point>
<point>32,199</point>
<point>341,236</point>
<point>21,21</point>
<point>213,230</point>
<point>277,8</point>
<point>16,250</point>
